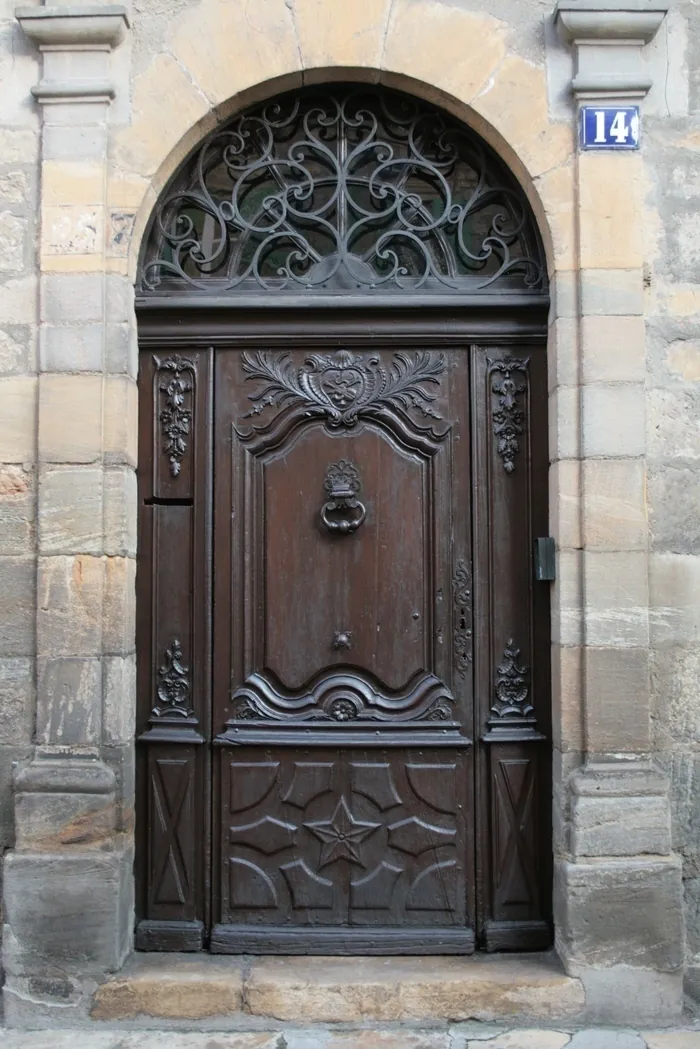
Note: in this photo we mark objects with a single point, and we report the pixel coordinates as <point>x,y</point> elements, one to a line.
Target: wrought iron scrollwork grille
<point>352,189</point>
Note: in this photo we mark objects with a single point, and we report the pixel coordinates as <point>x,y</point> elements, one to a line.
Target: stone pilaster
<point>67,891</point>
<point>618,901</point>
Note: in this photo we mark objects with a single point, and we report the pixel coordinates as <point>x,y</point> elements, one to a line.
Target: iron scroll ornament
<point>343,189</point>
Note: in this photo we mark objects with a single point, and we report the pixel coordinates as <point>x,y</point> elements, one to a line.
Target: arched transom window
<point>343,189</point>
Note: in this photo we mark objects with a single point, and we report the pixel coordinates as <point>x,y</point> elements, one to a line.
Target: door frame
<point>200,326</point>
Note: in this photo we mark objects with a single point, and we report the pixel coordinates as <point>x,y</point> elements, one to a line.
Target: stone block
<point>71,229</point>
<point>616,597</point>
<point>614,420</point>
<point>674,597</point>
<point>612,292</point>
<point>119,610</point>
<point>16,701</point>
<point>613,349</point>
<point>70,418</point>
<point>267,46</point>
<point>617,700</point>
<point>71,348</point>
<point>516,104</point>
<point>120,420</point>
<point>566,614</point>
<point>675,673</point>
<point>18,300</point>
<point>672,430</point>
<point>17,606</point>
<point>606,826</point>
<point>17,510</point>
<point>68,296</point>
<point>18,396</point>
<point>18,145</point>
<point>69,613</point>
<point>14,242</point>
<point>120,758</point>
<point>453,49</point>
<point>72,182</point>
<point>614,504</point>
<point>674,521</point>
<point>15,342</point>
<point>48,925</point>
<point>351,36</point>
<point>15,187</point>
<point>183,987</point>
<point>565,503</point>
<point>620,912</point>
<point>165,101</point>
<point>557,190</point>
<point>610,199</point>
<point>121,350</point>
<point>120,512</point>
<point>622,994</point>
<point>69,701</point>
<point>564,423</point>
<point>53,822</point>
<point>348,990</point>
<point>10,757</point>
<point>567,697</point>
<point>119,699</point>
<point>563,353</point>
<point>61,143</point>
<point>70,510</point>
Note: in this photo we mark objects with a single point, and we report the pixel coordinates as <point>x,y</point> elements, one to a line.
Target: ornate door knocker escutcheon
<point>342,486</point>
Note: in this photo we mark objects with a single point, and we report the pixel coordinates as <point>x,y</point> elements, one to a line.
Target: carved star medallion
<point>341,836</point>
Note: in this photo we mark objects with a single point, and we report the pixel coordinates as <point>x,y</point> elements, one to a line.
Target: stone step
<point>298,990</point>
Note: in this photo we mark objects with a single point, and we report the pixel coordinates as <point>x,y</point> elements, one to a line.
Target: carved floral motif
<point>175,416</point>
<point>512,686</point>
<point>508,417</point>
<point>174,688</point>
<point>345,386</point>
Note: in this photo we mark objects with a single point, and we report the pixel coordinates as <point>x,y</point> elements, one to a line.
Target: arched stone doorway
<point>344,720</point>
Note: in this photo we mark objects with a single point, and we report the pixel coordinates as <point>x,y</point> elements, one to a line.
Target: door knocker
<point>342,486</point>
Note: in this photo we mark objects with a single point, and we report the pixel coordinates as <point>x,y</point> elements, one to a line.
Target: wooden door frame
<point>190,325</point>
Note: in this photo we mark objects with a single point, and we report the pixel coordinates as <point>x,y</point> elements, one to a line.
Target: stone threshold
<point>225,991</point>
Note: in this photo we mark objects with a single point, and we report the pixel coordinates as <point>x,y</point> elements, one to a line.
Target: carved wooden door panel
<point>343,655</point>
<point>342,684</point>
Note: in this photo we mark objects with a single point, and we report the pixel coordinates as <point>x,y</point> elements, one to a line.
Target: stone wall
<point>622,235</point>
<point>19,201</point>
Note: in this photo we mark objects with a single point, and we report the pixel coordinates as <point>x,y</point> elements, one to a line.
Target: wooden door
<point>377,726</point>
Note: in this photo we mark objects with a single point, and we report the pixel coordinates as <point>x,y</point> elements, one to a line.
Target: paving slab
<point>672,1039</point>
<point>605,1038</point>
<point>527,1039</point>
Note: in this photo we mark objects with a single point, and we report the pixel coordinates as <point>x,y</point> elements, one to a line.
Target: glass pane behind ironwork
<point>343,189</point>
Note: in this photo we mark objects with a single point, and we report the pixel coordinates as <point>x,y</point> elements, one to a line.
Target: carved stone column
<point>67,893</point>
<point>618,901</point>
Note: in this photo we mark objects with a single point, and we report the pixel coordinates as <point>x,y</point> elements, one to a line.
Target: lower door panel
<point>334,851</point>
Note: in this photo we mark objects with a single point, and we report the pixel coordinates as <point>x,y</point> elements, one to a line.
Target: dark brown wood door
<point>345,639</point>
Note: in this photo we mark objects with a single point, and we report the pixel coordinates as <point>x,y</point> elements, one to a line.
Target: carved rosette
<point>175,379</point>
<point>507,416</point>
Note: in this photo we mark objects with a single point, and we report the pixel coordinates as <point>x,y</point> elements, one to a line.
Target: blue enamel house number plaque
<point>607,127</point>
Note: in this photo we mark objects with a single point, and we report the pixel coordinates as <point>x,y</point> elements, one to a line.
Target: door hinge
<point>544,559</point>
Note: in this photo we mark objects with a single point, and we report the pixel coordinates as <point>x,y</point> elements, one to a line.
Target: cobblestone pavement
<point>465,1036</point>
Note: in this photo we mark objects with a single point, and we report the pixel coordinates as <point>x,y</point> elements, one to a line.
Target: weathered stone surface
<point>614,420</point>
<point>15,340</point>
<point>183,987</point>
<point>674,524</point>
<point>67,297</point>
<point>17,597</point>
<point>346,990</point>
<point>120,505</point>
<point>69,700</point>
<point>611,292</point>
<point>119,700</point>
<point>614,912</point>
<point>16,700</point>
<point>69,613</point>
<point>672,1039</point>
<point>351,36</point>
<point>527,1039</point>
<point>606,1039</point>
<point>17,510</point>
<point>18,413</point>
<point>13,235</point>
<point>119,610</point>
<point>622,994</point>
<point>617,699</point>
<point>48,925</point>
<point>621,826</point>
<point>70,418</point>
<point>70,510</point>
<point>610,194</point>
<point>71,348</point>
<point>53,822</point>
<point>674,585</point>
<point>614,504</point>
<point>616,597</point>
<point>120,436</point>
